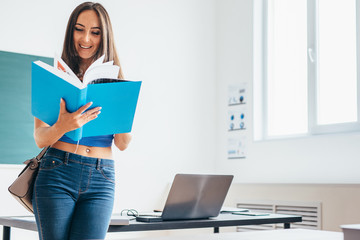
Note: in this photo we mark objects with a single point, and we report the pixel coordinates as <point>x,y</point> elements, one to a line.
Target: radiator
<point>310,212</point>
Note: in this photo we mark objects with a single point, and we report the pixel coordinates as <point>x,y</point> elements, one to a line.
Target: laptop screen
<point>196,196</point>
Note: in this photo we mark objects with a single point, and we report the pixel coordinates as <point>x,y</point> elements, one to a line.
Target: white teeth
<point>85,47</point>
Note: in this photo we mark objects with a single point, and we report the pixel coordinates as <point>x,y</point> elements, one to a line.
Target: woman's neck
<point>85,63</point>
<point>83,66</point>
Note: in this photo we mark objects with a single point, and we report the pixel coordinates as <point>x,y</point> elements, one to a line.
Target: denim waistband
<point>66,156</point>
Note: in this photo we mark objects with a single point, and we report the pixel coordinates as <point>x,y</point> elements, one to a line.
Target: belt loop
<point>66,158</point>
<point>98,164</point>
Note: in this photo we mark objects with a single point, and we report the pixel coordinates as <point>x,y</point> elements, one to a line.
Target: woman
<point>74,191</point>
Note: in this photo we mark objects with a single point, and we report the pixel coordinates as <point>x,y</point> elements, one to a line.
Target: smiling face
<point>87,35</point>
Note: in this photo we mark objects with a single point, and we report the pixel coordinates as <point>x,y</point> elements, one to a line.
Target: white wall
<point>318,159</point>
<point>170,46</point>
<point>186,52</point>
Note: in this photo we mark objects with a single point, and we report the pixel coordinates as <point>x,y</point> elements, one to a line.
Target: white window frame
<point>260,74</point>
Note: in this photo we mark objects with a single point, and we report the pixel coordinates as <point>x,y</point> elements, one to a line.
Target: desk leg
<point>286,225</point>
<point>6,233</point>
<point>216,230</point>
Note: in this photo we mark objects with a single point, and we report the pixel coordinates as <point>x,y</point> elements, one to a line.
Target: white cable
<point>77,145</point>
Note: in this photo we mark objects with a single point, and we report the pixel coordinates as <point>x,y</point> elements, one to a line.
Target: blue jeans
<point>73,196</point>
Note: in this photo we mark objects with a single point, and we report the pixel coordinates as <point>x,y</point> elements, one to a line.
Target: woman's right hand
<point>46,135</point>
<point>70,121</point>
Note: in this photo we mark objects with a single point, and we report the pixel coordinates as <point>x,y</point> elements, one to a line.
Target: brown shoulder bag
<point>22,187</point>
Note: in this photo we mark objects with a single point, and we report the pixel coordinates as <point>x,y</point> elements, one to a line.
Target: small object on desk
<point>233,210</point>
<point>151,214</point>
<point>351,231</point>
<point>148,218</point>
<point>251,213</point>
<point>117,219</point>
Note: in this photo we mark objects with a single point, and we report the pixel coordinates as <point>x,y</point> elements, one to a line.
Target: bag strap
<point>41,154</point>
<point>38,157</point>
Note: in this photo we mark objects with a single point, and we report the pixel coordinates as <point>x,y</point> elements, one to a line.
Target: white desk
<point>285,234</point>
<point>223,220</point>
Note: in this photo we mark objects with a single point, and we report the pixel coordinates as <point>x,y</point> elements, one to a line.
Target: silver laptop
<point>193,196</point>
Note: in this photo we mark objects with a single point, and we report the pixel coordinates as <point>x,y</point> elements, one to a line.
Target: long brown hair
<point>107,45</point>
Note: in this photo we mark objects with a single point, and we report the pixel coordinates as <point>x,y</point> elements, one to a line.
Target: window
<point>305,68</point>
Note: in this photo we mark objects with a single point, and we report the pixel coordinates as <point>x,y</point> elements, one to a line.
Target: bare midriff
<point>87,151</point>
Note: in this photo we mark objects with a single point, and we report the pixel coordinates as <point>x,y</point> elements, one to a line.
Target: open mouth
<point>81,46</point>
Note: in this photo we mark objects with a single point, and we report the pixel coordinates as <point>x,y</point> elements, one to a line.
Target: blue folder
<point>117,99</point>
